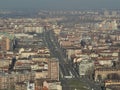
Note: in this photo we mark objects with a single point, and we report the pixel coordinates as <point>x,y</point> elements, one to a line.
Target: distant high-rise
<point>53,69</point>
<point>106,13</point>
<point>114,13</point>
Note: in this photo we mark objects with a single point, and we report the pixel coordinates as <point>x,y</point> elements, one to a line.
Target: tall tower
<point>53,69</point>
<point>119,55</point>
<point>5,44</point>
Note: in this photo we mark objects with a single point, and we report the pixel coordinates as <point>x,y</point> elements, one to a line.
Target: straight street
<point>67,71</point>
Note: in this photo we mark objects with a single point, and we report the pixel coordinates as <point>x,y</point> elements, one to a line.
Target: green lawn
<point>77,84</point>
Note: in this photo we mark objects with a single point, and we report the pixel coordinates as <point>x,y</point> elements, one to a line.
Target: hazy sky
<point>60,4</point>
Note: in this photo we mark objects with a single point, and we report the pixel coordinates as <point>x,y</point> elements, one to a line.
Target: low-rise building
<point>85,66</point>
<point>112,84</point>
<point>52,85</point>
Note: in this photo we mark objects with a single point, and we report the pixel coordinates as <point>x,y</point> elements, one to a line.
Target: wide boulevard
<point>67,71</point>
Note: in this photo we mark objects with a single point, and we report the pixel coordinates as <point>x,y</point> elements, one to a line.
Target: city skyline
<point>59,4</point>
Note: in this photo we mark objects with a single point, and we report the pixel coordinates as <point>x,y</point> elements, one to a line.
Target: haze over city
<point>59,4</point>
<point>59,45</point>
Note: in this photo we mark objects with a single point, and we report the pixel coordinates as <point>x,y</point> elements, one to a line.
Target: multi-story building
<point>25,86</point>
<point>35,29</point>
<point>20,86</point>
<point>85,67</point>
<point>5,44</point>
<point>9,80</point>
<point>53,69</point>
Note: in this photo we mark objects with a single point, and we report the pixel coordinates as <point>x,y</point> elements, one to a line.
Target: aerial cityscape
<point>59,47</point>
